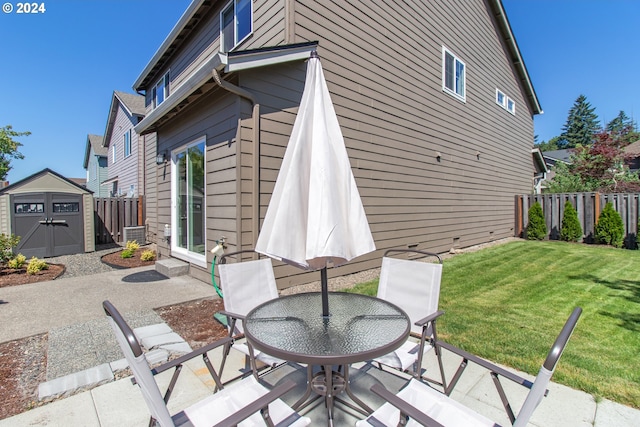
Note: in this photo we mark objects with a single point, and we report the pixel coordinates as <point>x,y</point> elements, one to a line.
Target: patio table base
<point>330,386</point>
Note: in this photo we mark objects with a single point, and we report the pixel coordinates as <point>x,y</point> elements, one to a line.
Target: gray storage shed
<point>52,215</point>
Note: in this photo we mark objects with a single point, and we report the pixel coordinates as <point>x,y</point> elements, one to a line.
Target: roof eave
<point>193,82</point>
<point>168,41</point>
<point>517,60</point>
<point>241,60</point>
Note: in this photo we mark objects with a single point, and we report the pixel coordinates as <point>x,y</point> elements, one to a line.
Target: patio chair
<point>414,286</point>
<point>244,403</point>
<point>245,285</point>
<point>419,404</point>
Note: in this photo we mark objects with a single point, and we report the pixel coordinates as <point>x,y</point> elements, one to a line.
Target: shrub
<point>36,265</point>
<point>148,255</point>
<point>536,228</point>
<point>7,243</point>
<point>571,230</point>
<point>17,262</point>
<point>609,228</point>
<point>126,253</point>
<point>132,245</point>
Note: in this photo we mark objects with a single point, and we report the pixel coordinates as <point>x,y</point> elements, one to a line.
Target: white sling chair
<point>244,403</point>
<point>245,285</point>
<point>414,286</point>
<point>419,404</point>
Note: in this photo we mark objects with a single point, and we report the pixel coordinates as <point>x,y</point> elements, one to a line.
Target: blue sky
<point>60,67</point>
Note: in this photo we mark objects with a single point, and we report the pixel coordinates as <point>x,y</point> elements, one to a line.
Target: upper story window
<point>511,106</point>
<point>161,90</point>
<point>453,75</point>
<point>505,102</point>
<point>236,23</point>
<point>501,99</point>
<point>113,153</point>
<point>127,143</point>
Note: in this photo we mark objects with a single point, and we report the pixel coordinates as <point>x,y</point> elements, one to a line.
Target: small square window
<point>236,24</point>
<point>453,75</point>
<point>501,99</point>
<point>511,106</point>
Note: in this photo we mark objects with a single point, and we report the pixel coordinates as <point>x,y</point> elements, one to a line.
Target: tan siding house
<point>433,99</point>
<point>124,147</point>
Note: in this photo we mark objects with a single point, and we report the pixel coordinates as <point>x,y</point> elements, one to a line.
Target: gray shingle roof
<point>96,144</point>
<point>133,102</point>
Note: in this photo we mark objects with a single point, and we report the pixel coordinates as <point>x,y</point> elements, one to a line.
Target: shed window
<point>66,207</point>
<point>29,207</point>
<point>236,24</point>
<point>453,75</point>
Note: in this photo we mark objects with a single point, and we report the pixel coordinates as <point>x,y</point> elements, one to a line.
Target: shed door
<point>49,224</point>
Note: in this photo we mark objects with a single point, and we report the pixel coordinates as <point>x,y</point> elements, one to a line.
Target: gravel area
<point>85,263</point>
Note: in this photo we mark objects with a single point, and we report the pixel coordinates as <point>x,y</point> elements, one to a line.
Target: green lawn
<point>507,303</point>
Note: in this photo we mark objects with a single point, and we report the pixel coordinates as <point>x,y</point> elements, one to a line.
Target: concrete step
<point>172,267</point>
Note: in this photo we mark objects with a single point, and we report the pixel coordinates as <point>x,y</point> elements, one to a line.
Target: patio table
<point>359,328</point>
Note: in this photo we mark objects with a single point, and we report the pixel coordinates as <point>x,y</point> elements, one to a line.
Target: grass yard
<point>507,304</point>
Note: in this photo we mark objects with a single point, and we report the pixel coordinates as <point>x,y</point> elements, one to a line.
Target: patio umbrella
<point>315,214</point>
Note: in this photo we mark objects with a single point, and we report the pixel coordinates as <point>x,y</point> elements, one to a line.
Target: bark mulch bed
<point>19,276</point>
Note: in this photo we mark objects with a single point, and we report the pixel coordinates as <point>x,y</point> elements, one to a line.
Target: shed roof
<point>16,185</point>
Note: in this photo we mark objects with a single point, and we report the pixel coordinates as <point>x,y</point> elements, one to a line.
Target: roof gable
<point>132,104</point>
<point>94,142</point>
<point>41,176</point>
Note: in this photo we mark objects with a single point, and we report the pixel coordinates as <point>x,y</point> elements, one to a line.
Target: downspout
<point>255,177</point>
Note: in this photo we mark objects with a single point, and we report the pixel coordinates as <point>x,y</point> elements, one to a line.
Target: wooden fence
<point>588,206</point>
<point>112,214</point>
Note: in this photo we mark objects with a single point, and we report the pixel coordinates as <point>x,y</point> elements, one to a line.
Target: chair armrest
<point>233,315</point>
<point>405,407</point>
<point>485,364</point>
<point>429,318</point>
<point>257,405</point>
<point>198,352</point>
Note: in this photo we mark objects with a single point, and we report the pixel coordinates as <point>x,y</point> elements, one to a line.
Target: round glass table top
<point>358,328</point>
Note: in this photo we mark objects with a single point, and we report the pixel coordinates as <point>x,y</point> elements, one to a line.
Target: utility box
<point>137,233</point>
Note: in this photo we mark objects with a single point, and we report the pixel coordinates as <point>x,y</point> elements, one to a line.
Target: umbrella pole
<point>325,292</point>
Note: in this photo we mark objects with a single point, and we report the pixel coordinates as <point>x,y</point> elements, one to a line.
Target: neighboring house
<point>632,154</point>
<point>95,163</point>
<point>554,156</point>
<point>433,98</point>
<point>540,170</point>
<point>125,150</point>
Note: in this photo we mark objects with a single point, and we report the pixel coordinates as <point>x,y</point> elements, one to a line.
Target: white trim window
<point>236,24</point>
<point>113,153</point>
<point>188,190</point>
<point>501,98</point>
<point>127,143</point>
<point>161,90</point>
<point>453,75</point>
<point>505,102</point>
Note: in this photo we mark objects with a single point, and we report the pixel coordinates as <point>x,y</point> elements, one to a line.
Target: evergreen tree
<point>581,124</point>
<point>571,230</point>
<point>623,130</point>
<point>536,228</point>
<point>609,229</point>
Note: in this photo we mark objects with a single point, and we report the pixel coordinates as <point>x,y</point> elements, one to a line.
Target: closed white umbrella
<point>315,213</point>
